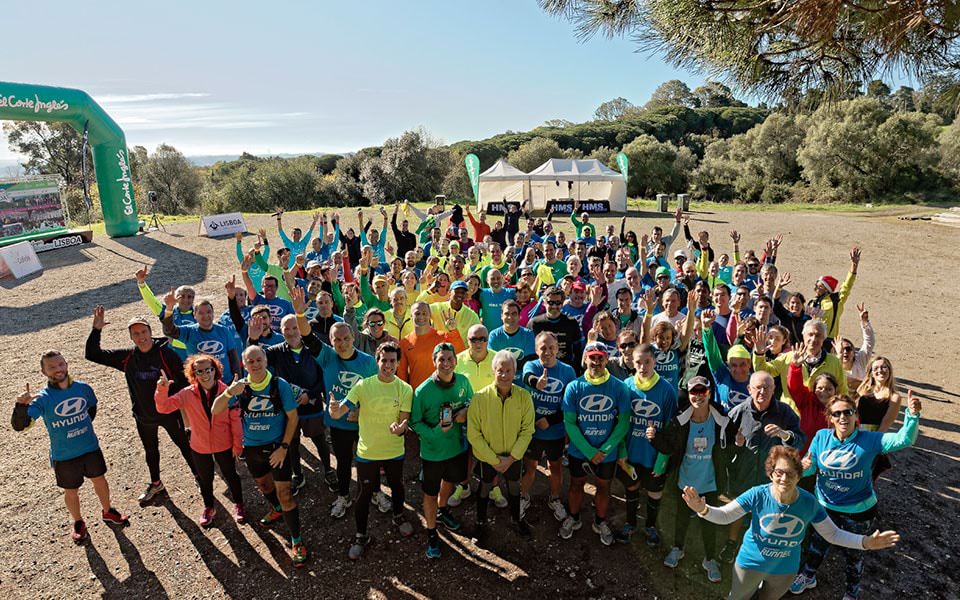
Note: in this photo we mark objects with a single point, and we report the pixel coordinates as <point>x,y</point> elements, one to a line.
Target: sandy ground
<point>905,281</point>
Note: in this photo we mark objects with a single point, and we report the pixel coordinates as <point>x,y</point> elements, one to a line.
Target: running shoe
<point>239,514</point>
<point>625,533</point>
<point>299,554</point>
<point>728,553</point>
<point>433,548</point>
<point>499,500</point>
<point>673,559</point>
<point>712,569</point>
<point>603,530</point>
<point>271,517</point>
<point>330,478</point>
<point>297,483</point>
<point>447,520</point>
<point>524,505</point>
<point>206,517</point>
<point>802,583</point>
<point>653,537</point>
<point>568,526</point>
<point>459,495</point>
<point>112,516</point>
<point>559,510</point>
<point>80,533</point>
<point>383,503</point>
<point>340,506</point>
<point>403,526</point>
<point>152,491</point>
<point>356,548</point>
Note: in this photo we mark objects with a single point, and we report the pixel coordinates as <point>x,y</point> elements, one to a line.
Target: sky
<point>215,77</point>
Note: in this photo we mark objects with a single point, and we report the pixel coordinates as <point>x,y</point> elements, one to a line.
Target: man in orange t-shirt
<point>416,358</point>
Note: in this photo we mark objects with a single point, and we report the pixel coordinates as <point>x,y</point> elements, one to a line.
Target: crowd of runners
<point>659,365</point>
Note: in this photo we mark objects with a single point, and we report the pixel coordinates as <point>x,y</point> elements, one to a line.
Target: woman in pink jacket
<point>213,438</point>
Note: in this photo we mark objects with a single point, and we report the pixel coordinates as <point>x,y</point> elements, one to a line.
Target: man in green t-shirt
<point>439,415</point>
<point>383,406</point>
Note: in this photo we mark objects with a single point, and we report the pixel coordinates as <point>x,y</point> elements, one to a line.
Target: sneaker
<point>673,559</point>
<point>459,494</point>
<point>448,521</point>
<point>330,478</point>
<point>523,529</point>
<point>80,533</point>
<point>113,517</point>
<point>356,548</point>
<point>802,583</point>
<point>603,530</point>
<point>433,548</point>
<point>271,517</point>
<point>297,483</point>
<point>206,517</point>
<point>625,533</point>
<point>524,505</point>
<point>299,555</point>
<point>153,489</point>
<point>568,526</point>
<point>653,537</point>
<point>712,569</point>
<point>340,506</point>
<point>382,502</point>
<point>728,553</point>
<point>403,526</point>
<point>559,510</point>
<point>239,514</point>
<point>499,500</point>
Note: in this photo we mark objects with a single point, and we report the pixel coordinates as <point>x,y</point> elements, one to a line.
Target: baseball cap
<point>595,348</point>
<point>311,264</point>
<point>379,278</point>
<point>738,351</point>
<point>663,271</point>
<point>458,285</point>
<point>698,381</point>
<point>679,253</point>
<point>138,320</point>
<point>579,286</point>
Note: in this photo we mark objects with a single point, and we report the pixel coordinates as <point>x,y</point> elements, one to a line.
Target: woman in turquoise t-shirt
<point>779,515</point>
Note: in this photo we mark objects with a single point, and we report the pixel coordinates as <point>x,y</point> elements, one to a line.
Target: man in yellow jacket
<point>499,428</point>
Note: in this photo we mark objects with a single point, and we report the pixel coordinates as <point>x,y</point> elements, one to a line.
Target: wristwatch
<point>285,445</point>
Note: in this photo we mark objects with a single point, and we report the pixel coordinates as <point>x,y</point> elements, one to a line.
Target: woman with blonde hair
<point>879,404</point>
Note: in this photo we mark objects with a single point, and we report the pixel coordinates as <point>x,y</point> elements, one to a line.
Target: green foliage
<point>657,167</point>
<point>611,110</point>
<point>168,173</point>
<point>864,152</point>
<point>672,93</point>
<point>534,153</point>
<point>411,167</point>
<point>50,148</point>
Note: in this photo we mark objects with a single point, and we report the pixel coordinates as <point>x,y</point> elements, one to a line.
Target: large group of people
<point>492,351</point>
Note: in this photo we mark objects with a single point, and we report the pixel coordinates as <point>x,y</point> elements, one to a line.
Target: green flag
<point>473,172</point>
<point>624,163</point>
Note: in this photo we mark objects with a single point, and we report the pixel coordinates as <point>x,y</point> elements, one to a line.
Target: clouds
<point>171,111</point>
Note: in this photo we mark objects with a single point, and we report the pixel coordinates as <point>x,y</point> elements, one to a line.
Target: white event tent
<point>588,181</point>
<point>503,182</point>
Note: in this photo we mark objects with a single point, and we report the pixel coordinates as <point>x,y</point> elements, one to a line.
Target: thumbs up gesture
<point>542,380</point>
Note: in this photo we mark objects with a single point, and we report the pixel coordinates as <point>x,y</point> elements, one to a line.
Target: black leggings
<point>708,531</point>
<point>150,438</point>
<point>344,441</point>
<point>368,474</point>
<point>228,470</point>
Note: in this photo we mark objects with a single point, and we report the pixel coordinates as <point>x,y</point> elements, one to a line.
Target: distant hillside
<point>207,160</point>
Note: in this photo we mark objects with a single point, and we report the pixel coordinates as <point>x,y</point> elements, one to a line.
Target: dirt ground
<point>904,279</point>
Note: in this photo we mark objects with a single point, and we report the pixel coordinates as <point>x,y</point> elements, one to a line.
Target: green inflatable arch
<point>22,102</point>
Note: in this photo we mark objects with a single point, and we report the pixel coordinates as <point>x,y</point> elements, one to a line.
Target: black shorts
<point>604,471</point>
<point>452,470</point>
<point>258,462</point>
<point>70,473</point>
<point>487,473</point>
<point>644,476</point>
<point>552,448</point>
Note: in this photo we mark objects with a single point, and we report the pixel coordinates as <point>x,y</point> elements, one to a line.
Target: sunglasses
<point>701,391</point>
<point>478,339</point>
<point>663,277</point>
<point>784,473</point>
<point>554,303</point>
<point>628,345</point>
<point>375,323</point>
<point>846,349</point>
<point>847,412</point>
<point>204,371</point>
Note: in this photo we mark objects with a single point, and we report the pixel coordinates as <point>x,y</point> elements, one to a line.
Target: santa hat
<point>829,282</point>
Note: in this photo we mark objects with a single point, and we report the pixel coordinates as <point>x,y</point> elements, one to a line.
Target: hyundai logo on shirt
<point>348,379</point>
<point>210,347</point>
<point>781,525</point>
<point>71,406</point>
<point>258,404</point>
<point>839,459</point>
<point>644,408</point>
<point>596,403</point>
<point>553,386</point>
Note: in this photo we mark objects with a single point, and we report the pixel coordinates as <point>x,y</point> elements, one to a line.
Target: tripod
<point>156,224</point>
